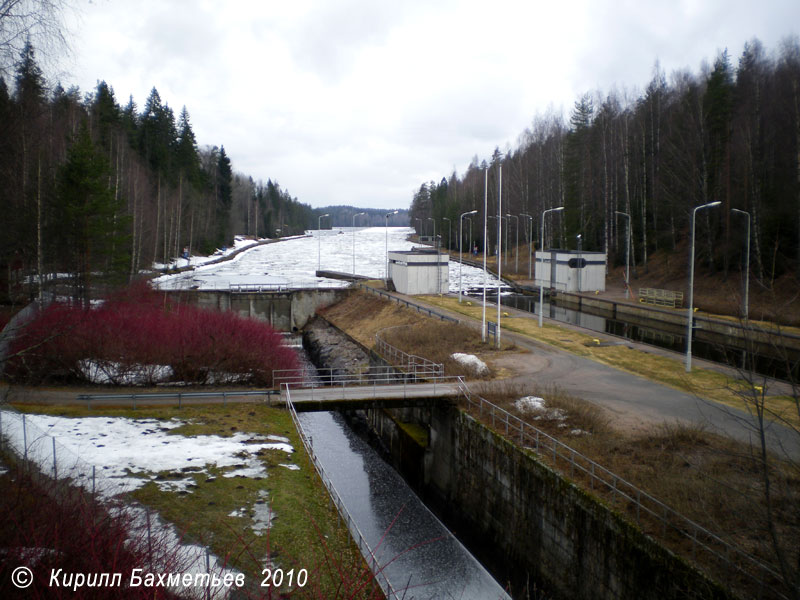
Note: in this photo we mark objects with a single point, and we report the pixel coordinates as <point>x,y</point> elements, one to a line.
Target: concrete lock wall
<point>285,311</point>
<point>527,523</point>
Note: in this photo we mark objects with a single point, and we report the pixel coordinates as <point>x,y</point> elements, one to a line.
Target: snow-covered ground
<point>293,262</point>
<point>130,452</point>
<point>127,453</point>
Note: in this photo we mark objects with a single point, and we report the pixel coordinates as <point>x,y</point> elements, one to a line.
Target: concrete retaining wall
<point>528,524</point>
<point>286,311</point>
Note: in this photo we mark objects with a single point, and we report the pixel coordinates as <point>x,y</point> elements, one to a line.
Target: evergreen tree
<point>224,188</point>
<point>86,222</point>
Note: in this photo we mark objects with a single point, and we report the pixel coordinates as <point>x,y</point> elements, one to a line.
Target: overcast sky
<point>360,101</point>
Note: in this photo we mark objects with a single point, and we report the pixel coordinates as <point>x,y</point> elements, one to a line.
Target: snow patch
<point>538,407</point>
<point>472,362</point>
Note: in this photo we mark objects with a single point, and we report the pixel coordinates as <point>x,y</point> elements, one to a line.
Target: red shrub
<point>137,330</point>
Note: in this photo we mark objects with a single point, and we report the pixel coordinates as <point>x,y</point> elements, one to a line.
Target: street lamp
<point>449,227</point>
<point>485,204</point>
<point>354,241</point>
<point>516,243</point>
<point>627,255</point>
<point>541,280</point>
<point>387,245</point>
<point>319,241</point>
<point>499,241</point>
<point>747,265</point>
<point>530,242</point>
<point>434,229</point>
<point>419,231</point>
<point>690,313</point>
<point>460,251</point>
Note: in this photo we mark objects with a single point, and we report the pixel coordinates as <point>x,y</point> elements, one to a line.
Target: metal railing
<point>661,297</point>
<point>729,558</point>
<point>243,288</point>
<point>344,514</point>
<point>336,377</point>
<point>179,398</point>
<point>411,363</point>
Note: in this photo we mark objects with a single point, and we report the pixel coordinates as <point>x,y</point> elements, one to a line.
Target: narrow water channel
<point>763,365</point>
<point>416,551</point>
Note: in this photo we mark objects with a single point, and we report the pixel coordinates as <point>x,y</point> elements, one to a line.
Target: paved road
<point>633,402</point>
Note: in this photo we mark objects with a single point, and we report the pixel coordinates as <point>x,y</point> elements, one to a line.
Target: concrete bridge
<point>352,397</point>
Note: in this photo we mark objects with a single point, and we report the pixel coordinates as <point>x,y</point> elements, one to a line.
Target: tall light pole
<point>460,251</point>
<point>516,246</point>
<point>690,313</point>
<point>434,229</point>
<point>485,205</point>
<point>541,281</point>
<point>627,255</point>
<point>499,248</point>
<point>449,227</point>
<point>747,265</point>
<point>387,245</point>
<point>419,231</point>
<point>530,243</point>
<point>354,240</point>
<point>319,241</point>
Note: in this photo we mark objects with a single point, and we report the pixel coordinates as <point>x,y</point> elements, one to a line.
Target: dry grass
<point>703,383</point>
<point>363,315</point>
<point>712,480</point>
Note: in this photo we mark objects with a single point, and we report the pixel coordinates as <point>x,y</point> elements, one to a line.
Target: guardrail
<point>243,288</point>
<point>372,376</point>
<point>410,362</point>
<point>661,297</point>
<point>344,514</point>
<point>179,397</point>
<point>725,556</point>
<point>407,303</point>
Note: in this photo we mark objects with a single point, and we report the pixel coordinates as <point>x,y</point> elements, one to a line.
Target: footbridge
<point>325,390</point>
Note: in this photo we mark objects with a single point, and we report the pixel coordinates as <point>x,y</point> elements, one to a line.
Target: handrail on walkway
<point>419,308</point>
<point>529,437</point>
<point>344,514</point>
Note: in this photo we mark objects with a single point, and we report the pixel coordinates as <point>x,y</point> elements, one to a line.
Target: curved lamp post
<point>690,313</point>
<point>541,281</point>
<point>530,242</point>
<point>460,250</point>
<point>449,227</point>
<point>516,246</point>
<point>747,265</point>
<point>354,240</point>
<point>387,244</point>
<point>627,255</point>
<point>434,229</point>
<point>319,241</point>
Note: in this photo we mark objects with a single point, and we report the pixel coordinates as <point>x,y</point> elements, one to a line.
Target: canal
<point>421,558</point>
<point>764,365</point>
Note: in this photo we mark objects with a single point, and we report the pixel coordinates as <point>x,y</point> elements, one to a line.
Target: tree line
<point>90,186</point>
<point>725,134</point>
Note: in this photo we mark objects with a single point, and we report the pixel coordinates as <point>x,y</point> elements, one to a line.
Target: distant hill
<point>342,216</point>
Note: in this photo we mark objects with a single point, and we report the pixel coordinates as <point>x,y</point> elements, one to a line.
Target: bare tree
<point>39,22</point>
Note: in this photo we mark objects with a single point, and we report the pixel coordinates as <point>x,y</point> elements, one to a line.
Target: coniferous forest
<point>728,133</point>
<point>88,185</point>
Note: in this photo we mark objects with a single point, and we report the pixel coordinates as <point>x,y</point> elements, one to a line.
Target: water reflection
<point>416,550</point>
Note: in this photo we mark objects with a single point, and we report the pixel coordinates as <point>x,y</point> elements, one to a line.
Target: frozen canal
<point>293,262</point>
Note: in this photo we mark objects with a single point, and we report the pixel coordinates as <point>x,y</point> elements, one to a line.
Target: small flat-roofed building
<point>571,270</point>
<point>419,271</point>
